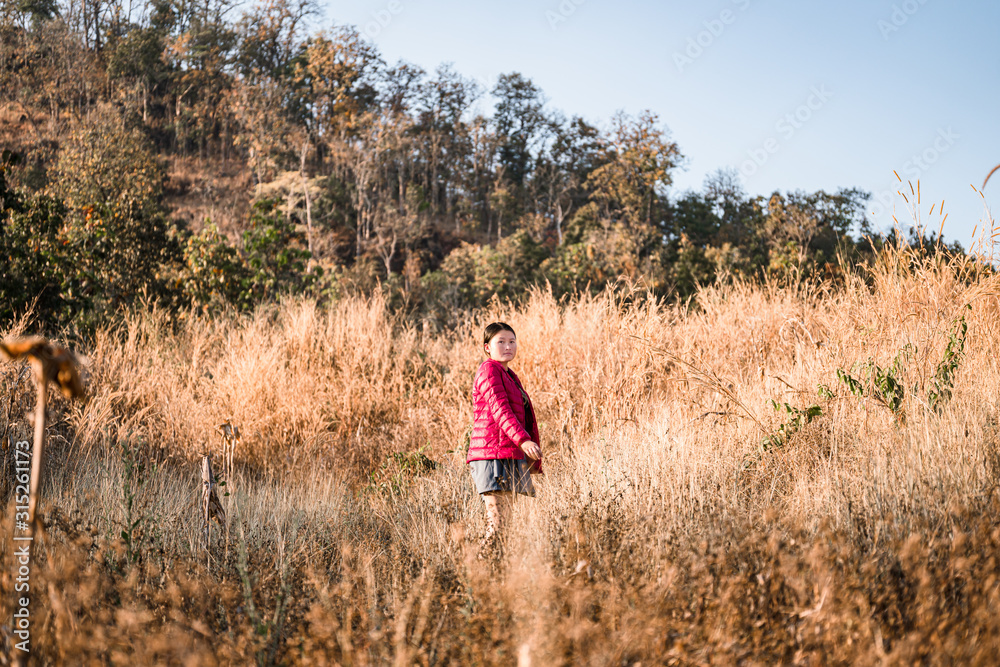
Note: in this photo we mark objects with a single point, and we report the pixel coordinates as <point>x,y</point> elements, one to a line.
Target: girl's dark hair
<point>495,328</point>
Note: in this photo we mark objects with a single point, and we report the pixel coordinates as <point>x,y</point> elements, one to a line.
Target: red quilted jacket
<point>498,426</point>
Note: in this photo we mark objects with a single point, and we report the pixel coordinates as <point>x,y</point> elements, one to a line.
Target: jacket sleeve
<point>536,465</point>
<point>498,404</point>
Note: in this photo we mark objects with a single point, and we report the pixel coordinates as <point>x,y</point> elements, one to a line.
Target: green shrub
<point>116,229</point>
<point>471,274</point>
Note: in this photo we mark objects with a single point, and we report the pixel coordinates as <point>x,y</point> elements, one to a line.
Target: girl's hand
<point>532,449</point>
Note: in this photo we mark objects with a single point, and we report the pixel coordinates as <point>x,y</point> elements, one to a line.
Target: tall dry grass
<point>663,531</point>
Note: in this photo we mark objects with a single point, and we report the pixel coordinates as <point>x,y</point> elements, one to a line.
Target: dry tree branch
<point>706,378</point>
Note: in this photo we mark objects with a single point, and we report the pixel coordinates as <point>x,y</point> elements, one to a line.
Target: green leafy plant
<point>399,469</point>
<point>275,254</point>
<point>135,476</point>
<point>939,392</point>
<point>270,263</point>
<point>112,182</point>
<point>886,387</point>
<point>797,418</point>
<point>214,273</point>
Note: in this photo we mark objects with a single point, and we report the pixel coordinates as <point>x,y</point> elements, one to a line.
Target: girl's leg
<point>506,503</point>
<point>497,514</point>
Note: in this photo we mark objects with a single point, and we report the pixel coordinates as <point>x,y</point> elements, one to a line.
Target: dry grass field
<point>682,518</point>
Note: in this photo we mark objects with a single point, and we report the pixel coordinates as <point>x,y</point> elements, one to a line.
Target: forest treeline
<point>360,174</point>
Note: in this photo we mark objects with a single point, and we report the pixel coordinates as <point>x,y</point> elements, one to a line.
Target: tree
<point>521,125</point>
<point>214,273</point>
<point>275,255</point>
<point>46,69</point>
<point>38,271</point>
<point>442,136</point>
<point>628,189</point>
<point>270,263</point>
<point>270,37</point>
<point>109,166</point>
<point>480,176</point>
<point>201,51</point>
<point>109,177</point>
<point>805,229</point>
<point>562,170</point>
<point>331,84</point>
<point>637,169</point>
<point>721,221</point>
<point>136,60</point>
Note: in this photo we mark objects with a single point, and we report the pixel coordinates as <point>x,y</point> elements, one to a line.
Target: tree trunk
<point>559,219</point>
<point>388,256</point>
<point>305,189</point>
<point>86,24</point>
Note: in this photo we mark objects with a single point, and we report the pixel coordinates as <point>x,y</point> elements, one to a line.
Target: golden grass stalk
<point>987,179</point>
<point>231,438</point>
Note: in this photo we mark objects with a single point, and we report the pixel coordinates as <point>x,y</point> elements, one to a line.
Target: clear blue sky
<point>823,95</point>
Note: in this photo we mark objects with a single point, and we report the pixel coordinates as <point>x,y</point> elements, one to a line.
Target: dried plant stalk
<point>210,505</point>
<point>987,179</point>
<point>231,438</point>
<point>49,363</point>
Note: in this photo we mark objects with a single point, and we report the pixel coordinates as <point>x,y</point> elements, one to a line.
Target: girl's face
<point>502,347</point>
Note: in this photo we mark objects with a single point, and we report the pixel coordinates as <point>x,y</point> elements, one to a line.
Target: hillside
<point>219,159</point>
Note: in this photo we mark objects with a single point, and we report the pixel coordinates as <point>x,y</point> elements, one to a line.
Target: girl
<point>504,431</point>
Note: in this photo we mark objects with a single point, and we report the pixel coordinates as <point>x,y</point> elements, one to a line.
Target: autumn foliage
<point>771,436</point>
<point>143,144</point>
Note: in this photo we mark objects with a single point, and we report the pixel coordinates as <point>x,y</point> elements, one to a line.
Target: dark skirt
<point>492,475</point>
